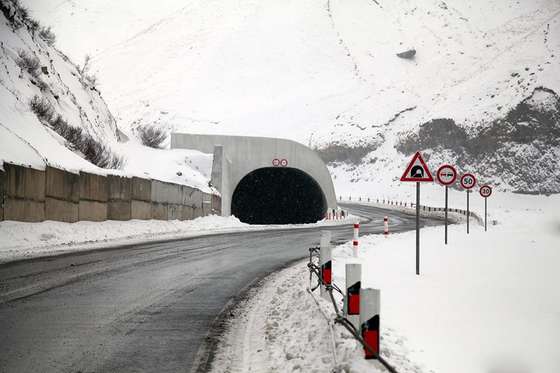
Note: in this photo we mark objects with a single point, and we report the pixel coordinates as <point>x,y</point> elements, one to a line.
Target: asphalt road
<point>143,308</point>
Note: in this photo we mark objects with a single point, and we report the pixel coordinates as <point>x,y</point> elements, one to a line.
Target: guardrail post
<point>352,299</point>
<point>325,262</point>
<point>369,321</point>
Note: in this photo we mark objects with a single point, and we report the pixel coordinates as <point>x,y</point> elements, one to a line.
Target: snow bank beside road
<point>281,329</point>
<point>487,302</point>
<point>20,240</point>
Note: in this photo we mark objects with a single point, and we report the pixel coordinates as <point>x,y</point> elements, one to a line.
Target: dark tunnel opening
<point>275,195</point>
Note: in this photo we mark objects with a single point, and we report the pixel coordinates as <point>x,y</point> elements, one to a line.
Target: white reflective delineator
<point>355,239</point>
<point>325,261</point>
<point>352,299</point>
<point>385,225</point>
<point>370,319</point>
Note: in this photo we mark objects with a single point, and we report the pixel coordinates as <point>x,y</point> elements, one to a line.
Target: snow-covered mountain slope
<point>326,73</point>
<point>51,113</point>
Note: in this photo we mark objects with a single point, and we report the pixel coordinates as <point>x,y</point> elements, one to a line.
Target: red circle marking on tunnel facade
<point>276,162</point>
<point>283,162</point>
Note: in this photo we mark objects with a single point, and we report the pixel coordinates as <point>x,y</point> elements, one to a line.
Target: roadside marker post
<point>468,181</point>
<point>417,171</point>
<point>369,321</point>
<point>352,299</point>
<point>355,239</point>
<point>485,191</point>
<point>325,262</point>
<point>446,175</point>
<point>385,226</point>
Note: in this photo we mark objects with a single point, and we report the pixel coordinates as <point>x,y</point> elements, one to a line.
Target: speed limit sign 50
<point>485,191</point>
<point>468,181</point>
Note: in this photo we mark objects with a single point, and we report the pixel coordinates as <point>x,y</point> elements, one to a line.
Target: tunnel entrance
<point>275,195</point>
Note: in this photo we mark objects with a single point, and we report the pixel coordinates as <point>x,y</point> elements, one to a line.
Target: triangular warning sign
<point>417,170</point>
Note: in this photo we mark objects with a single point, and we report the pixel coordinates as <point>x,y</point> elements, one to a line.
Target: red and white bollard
<point>385,225</point>
<point>369,321</point>
<point>325,262</point>
<point>355,239</point>
<point>352,300</point>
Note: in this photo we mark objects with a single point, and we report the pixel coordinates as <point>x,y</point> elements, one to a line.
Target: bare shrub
<point>42,108</point>
<point>92,150</point>
<point>151,136</point>
<point>84,70</point>
<point>29,63</point>
<point>17,14</point>
<point>47,35</point>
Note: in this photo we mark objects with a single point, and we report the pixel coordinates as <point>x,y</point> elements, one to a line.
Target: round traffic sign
<point>276,162</point>
<point>485,191</point>
<point>446,174</point>
<point>468,181</point>
<point>283,162</point>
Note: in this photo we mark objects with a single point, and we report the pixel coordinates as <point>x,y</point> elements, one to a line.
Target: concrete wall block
<point>187,212</point>
<point>159,211</point>
<point>174,212</point>
<point>62,185</point>
<point>216,204</point>
<point>93,210</point>
<point>196,199</point>
<point>24,210</point>
<point>119,210</point>
<point>197,212</point>
<point>24,182</point>
<point>166,192</point>
<point>187,195</point>
<point>141,189</point>
<point>3,180</point>
<point>120,188</point>
<point>60,210</point>
<point>140,210</point>
<point>93,187</point>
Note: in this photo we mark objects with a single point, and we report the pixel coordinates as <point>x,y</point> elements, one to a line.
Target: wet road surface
<point>147,307</point>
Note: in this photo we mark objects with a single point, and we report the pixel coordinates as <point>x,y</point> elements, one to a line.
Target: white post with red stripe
<point>370,304</point>
<point>352,300</point>
<point>325,262</point>
<point>355,239</point>
<point>385,225</point>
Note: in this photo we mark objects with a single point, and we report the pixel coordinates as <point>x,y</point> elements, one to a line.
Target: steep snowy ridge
<point>326,73</point>
<point>74,130</point>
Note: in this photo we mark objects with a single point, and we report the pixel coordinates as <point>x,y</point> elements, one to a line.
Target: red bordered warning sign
<point>417,170</point>
<point>446,174</point>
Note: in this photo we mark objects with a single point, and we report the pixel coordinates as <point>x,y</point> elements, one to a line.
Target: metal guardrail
<point>340,319</point>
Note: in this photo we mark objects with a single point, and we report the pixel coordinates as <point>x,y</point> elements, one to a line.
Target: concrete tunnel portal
<point>265,180</point>
<point>273,195</point>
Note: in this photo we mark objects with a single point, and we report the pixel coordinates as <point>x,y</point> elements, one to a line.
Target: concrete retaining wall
<point>32,195</point>
<point>62,195</point>
<point>24,194</point>
<point>120,194</point>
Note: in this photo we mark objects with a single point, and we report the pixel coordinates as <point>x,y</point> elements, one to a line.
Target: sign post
<point>468,181</point>
<point>446,175</point>
<point>417,171</point>
<point>485,191</point>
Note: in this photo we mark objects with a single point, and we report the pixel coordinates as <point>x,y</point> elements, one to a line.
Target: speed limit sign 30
<point>468,181</point>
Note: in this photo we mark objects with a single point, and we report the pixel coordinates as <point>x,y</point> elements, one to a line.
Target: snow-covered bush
<point>151,136</point>
<point>47,35</point>
<point>29,63</point>
<point>42,108</point>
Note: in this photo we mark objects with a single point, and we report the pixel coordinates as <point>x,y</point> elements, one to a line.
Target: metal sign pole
<point>417,228</point>
<point>468,212</point>
<point>446,214</point>
<point>485,211</point>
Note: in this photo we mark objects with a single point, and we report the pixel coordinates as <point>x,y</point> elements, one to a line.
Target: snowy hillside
<point>485,77</point>
<point>52,113</point>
